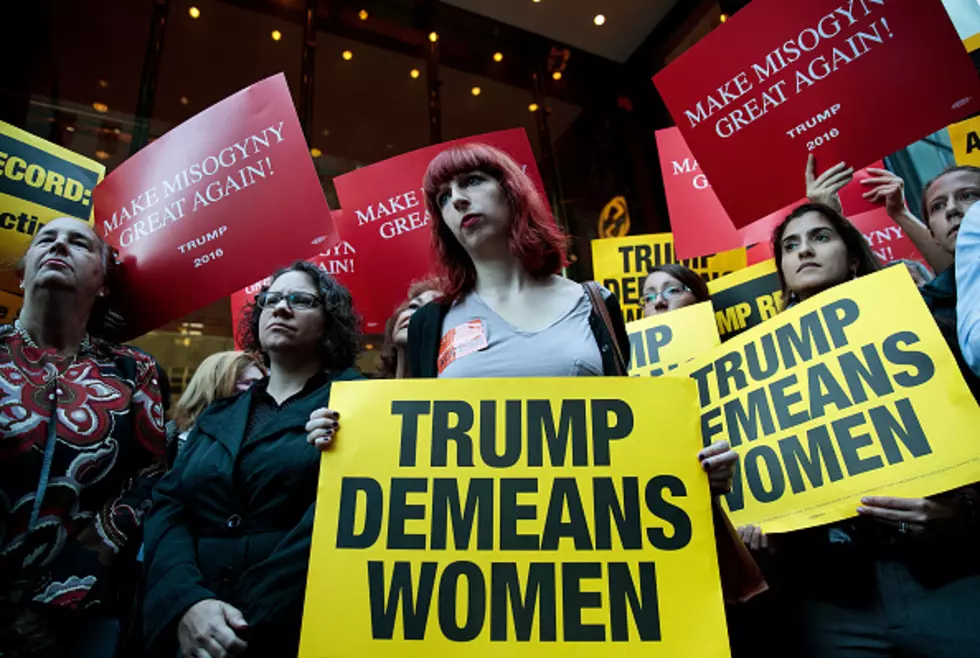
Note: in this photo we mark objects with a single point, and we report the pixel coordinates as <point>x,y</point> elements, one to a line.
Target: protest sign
<point>745,298</point>
<point>965,138</point>
<point>339,261</point>
<point>622,265</point>
<point>385,217</point>
<point>698,221</point>
<point>887,240</point>
<point>784,79</point>
<point>827,403</point>
<point>9,307</point>
<point>220,200</point>
<point>484,518</point>
<point>662,342</point>
<point>39,181</point>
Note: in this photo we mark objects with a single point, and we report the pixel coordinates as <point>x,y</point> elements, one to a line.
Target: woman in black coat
<point>228,539</point>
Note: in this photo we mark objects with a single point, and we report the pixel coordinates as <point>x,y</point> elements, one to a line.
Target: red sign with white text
<point>385,217</point>
<point>698,221</point>
<point>849,80</point>
<point>218,201</point>
<point>339,260</point>
<point>886,238</point>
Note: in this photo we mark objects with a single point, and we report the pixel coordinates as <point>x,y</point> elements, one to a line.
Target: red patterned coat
<point>109,454</point>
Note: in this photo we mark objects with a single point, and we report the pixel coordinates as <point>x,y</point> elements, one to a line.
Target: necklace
<point>85,345</point>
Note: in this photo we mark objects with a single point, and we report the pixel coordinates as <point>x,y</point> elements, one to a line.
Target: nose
<point>459,199</point>
<point>805,250</point>
<point>954,210</point>
<point>60,243</point>
<point>661,304</point>
<point>282,308</point>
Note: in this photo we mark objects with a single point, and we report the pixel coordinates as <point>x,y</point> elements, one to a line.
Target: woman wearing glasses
<point>670,287</point>
<point>227,541</point>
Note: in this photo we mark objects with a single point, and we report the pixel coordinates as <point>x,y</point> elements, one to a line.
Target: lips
<point>805,266</point>
<point>470,220</point>
<point>954,231</point>
<point>55,262</point>
<point>279,325</point>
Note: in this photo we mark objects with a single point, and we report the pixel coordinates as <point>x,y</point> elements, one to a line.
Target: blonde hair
<point>215,378</point>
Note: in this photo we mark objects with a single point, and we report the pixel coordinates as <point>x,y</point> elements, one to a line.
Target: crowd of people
<point>124,534</point>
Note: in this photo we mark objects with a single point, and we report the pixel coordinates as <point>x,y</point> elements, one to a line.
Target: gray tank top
<point>478,343</point>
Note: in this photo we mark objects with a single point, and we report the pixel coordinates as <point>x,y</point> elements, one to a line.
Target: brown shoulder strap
<point>599,306</point>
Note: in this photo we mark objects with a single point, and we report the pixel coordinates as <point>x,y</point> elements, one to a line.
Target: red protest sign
<point>782,79</point>
<point>221,199</point>
<point>886,238</point>
<point>697,219</point>
<point>385,218</point>
<point>340,260</point>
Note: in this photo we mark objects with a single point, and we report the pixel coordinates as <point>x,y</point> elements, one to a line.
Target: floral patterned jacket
<point>109,453</point>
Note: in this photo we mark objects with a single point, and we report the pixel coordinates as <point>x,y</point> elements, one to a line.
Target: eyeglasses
<point>669,293</point>
<point>294,300</point>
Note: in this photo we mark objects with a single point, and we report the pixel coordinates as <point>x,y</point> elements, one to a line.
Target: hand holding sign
<point>916,515</point>
<point>825,187</point>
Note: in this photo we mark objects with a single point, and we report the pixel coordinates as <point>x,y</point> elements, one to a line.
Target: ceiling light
<point>498,57</point>
<point>533,107</point>
<point>117,131</point>
<point>102,155</point>
<point>723,17</point>
<point>70,129</point>
<point>348,55</point>
<point>369,346</point>
<point>475,91</point>
<point>315,152</point>
<point>414,73</point>
<point>276,35</point>
<point>100,107</point>
<point>599,19</point>
<point>556,75</point>
<point>194,12</point>
<point>184,100</point>
<point>433,36</point>
<point>326,132</point>
<point>103,83</point>
<point>363,15</point>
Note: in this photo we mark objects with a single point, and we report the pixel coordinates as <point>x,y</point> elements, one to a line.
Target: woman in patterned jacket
<point>81,445</point>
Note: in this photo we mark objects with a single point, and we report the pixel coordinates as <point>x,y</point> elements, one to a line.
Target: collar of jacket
<point>942,288</point>
<point>225,420</point>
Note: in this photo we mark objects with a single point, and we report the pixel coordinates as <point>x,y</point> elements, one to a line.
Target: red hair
<point>534,239</point>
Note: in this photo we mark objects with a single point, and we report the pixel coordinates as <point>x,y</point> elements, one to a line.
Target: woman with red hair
<point>506,311</point>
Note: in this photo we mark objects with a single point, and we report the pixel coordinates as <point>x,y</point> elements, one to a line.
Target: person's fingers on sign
<point>886,188</point>
<point>322,428</point>
<point>753,537</point>
<point>916,515</point>
<point>825,187</point>
<point>718,461</point>
<point>208,630</point>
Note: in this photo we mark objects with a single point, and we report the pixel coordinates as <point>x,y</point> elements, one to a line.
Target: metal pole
<point>306,75</point>
<point>150,74</point>
<point>549,164</point>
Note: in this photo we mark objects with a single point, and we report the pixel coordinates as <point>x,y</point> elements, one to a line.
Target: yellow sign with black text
<point>662,342</point>
<point>838,398</point>
<point>9,306</point>
<point>965,138</point>
<point>39,181</point>
<point>522,517</point>
<point>745,298</point>
<point>622,265</point>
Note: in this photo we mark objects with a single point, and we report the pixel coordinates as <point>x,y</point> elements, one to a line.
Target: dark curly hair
<point>857,246</point>
<point>341,338</point>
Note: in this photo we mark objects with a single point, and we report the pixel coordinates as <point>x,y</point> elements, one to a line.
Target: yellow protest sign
<point>745,298</point>
<point>837,398</point>
<point>39,181</point>
<point>622,264</point>
<point>965,138</point>
<point>662,342</point>
<point>525,517</point>
<point>9,306</point>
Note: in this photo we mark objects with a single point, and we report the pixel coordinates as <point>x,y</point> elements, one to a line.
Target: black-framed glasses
<point>294,300</point>
<point>669,293</point>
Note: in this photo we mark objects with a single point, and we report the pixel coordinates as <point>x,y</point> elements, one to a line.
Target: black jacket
<point>233,522</point>
<point>425,334</point>
<point>940,296</point>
